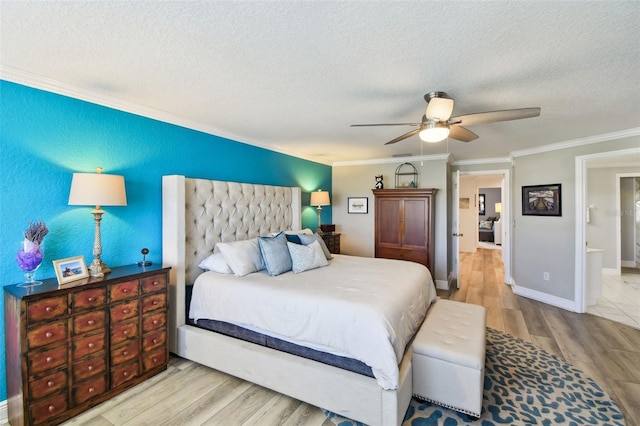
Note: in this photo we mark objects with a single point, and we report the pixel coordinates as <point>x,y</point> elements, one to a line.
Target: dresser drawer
<point>154,359</point>
<point>48,385</point>
<point>123,331</point>
<point>89,367</point>
<point>45,309</point>
<point>153,340</point>
<point>124,290</point>
<point>47,334</point>
<point>89,299</point>
<point>153,302</point>
<point>87,345</point>
<point>123,311</point>
<point>48,408</point>
<point>124,373</point>
<point>90,321</point>
<point>89,389</point>
<point>46,360</point>
<point>153,321</point>
<point>154,283</point>
<point>125,353</point>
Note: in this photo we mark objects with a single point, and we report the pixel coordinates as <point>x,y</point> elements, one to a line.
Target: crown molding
<point>483,161</point>
<point>605,137</point>
<point>35,81</point>
<point>446,157</point>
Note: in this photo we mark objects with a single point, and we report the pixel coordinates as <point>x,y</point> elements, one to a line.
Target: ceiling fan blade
<point>387,124</point>
<point>439,109</point>
<point>405,136</point>
<point>493,116</point>
<point>461,134</point>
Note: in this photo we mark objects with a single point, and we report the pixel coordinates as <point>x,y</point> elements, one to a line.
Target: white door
<point>455,227</point>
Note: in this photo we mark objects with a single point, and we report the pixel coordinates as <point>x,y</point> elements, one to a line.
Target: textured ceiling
<point>292,76</point>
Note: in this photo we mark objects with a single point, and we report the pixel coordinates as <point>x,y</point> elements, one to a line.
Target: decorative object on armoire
<point>70,269</point>
<point>144,261</point>
<point>404,220</point>
<point>542,200</point>
<point>97,189</point>
<point>31,252</point>
<point>320,198</point>
<point>379,184</point>
<point>357,205</point>
<point>406,176</point>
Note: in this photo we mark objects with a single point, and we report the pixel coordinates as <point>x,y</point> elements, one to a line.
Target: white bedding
<point>363,308</point>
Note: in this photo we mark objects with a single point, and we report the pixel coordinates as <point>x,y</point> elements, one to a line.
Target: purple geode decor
<point>30,255</point>
<point>30,259</point>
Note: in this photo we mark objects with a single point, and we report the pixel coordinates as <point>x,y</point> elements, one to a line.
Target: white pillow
<point>215,263</point>
<point>243,257</point>
<point>308,257</point>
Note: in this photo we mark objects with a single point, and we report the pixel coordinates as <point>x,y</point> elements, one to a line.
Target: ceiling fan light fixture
<point>434,132</point>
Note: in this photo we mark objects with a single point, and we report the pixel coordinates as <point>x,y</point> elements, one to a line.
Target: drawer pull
<point>50,383</point>
<point>91,345</point>
<point>155,302</point>
<point>49,309</point>
<point>91,299</point>
<point>91,322</point>
<point>125,374</point>
<point>51,408</point>
<point>155,360</point>
<point>126,290</point>
<point>125,332</point>
<point>156,283</point>
<point>125,353</point>
<point>48,334</point>
<point>49,359</point>
<point>90,368</point>
<point>155,322</point>
<point>155,340</point>
<point>125,311</point>
<point>92,389</point>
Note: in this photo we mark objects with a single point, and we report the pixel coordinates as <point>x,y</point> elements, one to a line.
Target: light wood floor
<point>190,394</point>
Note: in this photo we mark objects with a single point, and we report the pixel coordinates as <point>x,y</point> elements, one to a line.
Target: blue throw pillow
<point>308,239</point>
<point>293,238</point>
<point>275,254</point>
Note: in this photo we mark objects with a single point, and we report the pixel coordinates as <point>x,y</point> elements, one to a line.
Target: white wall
<point>357,180</point>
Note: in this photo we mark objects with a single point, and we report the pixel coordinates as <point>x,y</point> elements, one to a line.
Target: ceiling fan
<point>437,123</point>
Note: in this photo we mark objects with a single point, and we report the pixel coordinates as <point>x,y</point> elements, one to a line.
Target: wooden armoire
<point>404,220</point>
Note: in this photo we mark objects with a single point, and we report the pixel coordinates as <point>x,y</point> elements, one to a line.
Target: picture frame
<point>464,203</point>
<point>70,269</point>
<point>542,200</point>
<point>481,204</point>
<point>357,205</point>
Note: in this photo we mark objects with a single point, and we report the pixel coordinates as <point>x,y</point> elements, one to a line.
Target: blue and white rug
<point>523,385</point>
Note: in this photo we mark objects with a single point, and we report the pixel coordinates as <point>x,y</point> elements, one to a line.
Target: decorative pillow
<point>215,263</point>
<point>275,254</point>
<point>243,257</point>
<point>308,239</point>
<point>486,224</point>
<point>308,257</point>
<point>293,238</point>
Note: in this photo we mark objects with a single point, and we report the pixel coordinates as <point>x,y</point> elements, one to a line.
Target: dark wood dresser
<point>332,240</point>
<point>73,346</point>
<point>404,221</point>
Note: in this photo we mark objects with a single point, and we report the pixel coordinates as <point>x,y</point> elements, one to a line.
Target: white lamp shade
<point>498,207</point>
<point>320,198</point>
<point>434,132</point>
<point>97,189</point>
<point>439,108</point>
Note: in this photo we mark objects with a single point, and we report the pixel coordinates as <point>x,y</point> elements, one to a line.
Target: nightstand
<point>74,346</point>
<point>332,240</point>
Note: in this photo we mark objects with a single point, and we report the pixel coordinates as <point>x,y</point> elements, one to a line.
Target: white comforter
<point>362,308</point>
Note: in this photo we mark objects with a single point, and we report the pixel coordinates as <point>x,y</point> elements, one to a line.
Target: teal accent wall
<point>45,138</point>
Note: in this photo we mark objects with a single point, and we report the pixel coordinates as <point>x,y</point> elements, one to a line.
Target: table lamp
<point>97,189</point>
<point>319,198</point>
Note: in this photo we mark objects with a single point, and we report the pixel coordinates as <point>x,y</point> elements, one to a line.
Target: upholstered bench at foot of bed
<point>448,356</point>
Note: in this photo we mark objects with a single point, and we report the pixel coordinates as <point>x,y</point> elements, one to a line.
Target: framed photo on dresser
<point>70,269</point>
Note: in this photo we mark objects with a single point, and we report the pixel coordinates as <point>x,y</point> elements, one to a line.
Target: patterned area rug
<point>523,385</point>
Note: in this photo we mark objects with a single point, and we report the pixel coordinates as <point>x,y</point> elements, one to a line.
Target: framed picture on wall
<point>542,200</point>
<point>358,205</point>
<point>481,204</point>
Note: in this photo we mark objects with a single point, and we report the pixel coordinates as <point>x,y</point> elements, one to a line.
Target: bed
<point>197,214</point>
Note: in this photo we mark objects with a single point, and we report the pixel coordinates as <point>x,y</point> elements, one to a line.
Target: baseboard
<point>442,285</point>
<point>628,264</point>
<point>549,299</point>
<point>4,414</point>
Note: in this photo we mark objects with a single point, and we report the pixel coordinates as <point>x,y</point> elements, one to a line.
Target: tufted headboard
<point>198,213</point>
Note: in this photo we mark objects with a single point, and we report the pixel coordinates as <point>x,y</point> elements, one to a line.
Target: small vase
<point>29,259</point>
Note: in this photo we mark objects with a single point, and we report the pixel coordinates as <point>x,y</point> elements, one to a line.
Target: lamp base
<point>98,268</point>
<point>145,263</point>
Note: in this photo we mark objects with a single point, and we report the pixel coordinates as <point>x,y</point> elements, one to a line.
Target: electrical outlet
<point>545,276</point>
